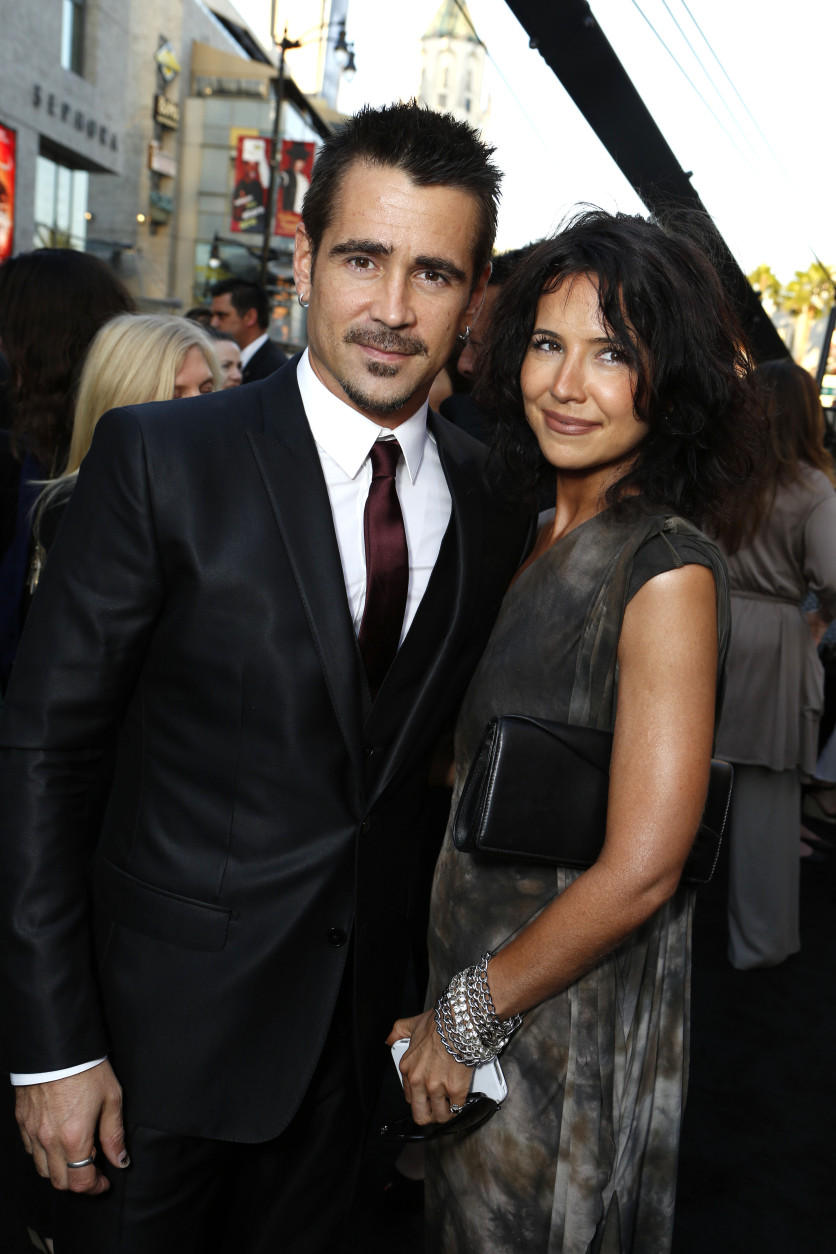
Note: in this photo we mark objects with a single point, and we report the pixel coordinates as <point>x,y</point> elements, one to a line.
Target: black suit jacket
<point>266,361</point>
<point>193,612</point>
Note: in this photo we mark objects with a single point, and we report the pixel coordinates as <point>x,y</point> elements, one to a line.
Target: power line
<point>749,113</point>
<point>734,89</point>
<point>691,83</point>
<point>513,94</point>
<point>699,62</point>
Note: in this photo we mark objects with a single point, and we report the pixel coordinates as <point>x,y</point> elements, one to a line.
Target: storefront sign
<point>76,118</point>
<point>8,149</point>
<point>167,62</point>
<point>161,162</point>
<point>210,86</point>
<point>160,201</point>
<point>167,112</point>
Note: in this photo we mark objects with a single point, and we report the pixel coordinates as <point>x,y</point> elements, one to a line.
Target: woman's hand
<point>433,1080</point>
<point>818,624</point>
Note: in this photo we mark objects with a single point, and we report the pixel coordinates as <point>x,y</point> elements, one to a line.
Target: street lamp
<point>345,51</point>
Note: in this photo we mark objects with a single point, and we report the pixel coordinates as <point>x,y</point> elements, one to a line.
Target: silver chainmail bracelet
<point>466,1018</point>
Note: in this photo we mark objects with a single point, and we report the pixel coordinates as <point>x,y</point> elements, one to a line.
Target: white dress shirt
<point>344,439</point>
<point>252,348</point>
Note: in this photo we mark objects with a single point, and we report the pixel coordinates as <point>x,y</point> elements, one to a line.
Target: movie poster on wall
<point>294,180</point>
<point>252,184</point>
<point>8,147</point>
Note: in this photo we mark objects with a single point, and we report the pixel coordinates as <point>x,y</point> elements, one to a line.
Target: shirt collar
<point>252,348</point>
<point>346,435</point>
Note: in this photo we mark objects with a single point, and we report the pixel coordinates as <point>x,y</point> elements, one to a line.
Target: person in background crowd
<point>201,314</point>
<point>52,303</point>
<point>229,357</point>
<point>785,545</point>
<point>242,310</point>
<point>458,406</point>
<point>134,359</point>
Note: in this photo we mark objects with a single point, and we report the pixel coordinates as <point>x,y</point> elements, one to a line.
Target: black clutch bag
<point>537,791</point>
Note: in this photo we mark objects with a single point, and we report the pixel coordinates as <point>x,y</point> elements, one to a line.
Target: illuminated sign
<point>167,112</point>
<point>8,148</point>
<point>167,62</point>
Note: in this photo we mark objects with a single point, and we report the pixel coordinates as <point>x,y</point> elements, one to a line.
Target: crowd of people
<point>550,502</point>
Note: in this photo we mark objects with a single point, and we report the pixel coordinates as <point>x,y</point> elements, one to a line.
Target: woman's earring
<point>303,303</point>
<point>464,336</point>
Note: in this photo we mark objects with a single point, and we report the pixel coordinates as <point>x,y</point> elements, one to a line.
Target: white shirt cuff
<point>44,1077</point>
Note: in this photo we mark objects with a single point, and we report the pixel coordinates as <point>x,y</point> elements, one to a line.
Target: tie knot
<point>385,456</point>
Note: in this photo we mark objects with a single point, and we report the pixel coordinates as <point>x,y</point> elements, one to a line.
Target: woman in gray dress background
<point>783,547</point>
<point>616,370</point>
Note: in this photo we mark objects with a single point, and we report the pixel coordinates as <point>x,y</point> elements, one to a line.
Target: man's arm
<point>78,663</point>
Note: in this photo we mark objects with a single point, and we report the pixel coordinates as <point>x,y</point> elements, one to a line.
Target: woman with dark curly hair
<point>618,372</point>
<point>52,303</point>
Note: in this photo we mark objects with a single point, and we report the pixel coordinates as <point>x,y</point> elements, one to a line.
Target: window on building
<point>60,205</point>
<point>72,36</point>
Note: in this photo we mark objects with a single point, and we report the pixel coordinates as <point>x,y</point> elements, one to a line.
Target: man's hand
<point>58,1122</point>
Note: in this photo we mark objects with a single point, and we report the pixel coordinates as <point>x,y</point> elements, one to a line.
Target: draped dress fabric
<point>583,1154</point>
<point>774,699</point>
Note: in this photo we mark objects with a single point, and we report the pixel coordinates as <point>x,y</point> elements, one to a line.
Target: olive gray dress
<point>583,1154</point>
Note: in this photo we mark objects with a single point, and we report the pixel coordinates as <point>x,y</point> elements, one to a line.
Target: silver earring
<point>464,337</point>
<point>303,303</point>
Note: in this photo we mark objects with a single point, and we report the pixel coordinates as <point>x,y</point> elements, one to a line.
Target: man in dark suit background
<point>229,941</point>
<point>242,310</point>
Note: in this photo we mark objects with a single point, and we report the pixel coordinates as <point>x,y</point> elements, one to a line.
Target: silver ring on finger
<point>84,1162</point>
<point>455,1110</point>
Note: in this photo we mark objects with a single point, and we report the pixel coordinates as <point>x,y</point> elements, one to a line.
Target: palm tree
<point>766,284</point>
<point>805,298</point>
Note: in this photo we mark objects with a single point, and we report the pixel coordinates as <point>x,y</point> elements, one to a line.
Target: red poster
<point>294,180</point>
<point>8,142</point>
<point>252,183</point>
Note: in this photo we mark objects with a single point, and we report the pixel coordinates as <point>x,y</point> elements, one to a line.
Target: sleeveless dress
<point>582,1156</point>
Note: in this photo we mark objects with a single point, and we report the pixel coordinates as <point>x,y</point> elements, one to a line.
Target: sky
<point>758,142</point>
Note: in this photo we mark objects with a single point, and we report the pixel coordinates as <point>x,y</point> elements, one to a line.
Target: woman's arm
<point>667,659</point>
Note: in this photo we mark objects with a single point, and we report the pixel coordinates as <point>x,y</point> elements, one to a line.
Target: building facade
<point>124,116</point>
<point>453,65</point>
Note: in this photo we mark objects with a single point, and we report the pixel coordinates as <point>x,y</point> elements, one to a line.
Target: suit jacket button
<point>369,751</point>
<point>364,826</point>
<point>336,937</point>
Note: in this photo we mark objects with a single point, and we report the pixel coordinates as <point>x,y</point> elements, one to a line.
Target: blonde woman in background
<point>133,359</point>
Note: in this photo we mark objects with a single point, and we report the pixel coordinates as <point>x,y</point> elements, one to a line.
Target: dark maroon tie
<point>387,566</point>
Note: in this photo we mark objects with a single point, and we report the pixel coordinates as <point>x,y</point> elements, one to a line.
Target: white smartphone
<point>487,1078</point>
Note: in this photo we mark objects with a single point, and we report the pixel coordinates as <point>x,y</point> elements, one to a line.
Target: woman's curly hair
<point>664,304</point>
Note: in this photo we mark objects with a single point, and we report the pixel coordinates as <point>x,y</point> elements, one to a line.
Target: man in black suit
<point>229,938</point>
<point>242,311</point>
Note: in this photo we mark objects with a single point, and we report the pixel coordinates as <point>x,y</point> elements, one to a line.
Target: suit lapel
<point>290,467</point>
<point>444,613</point>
